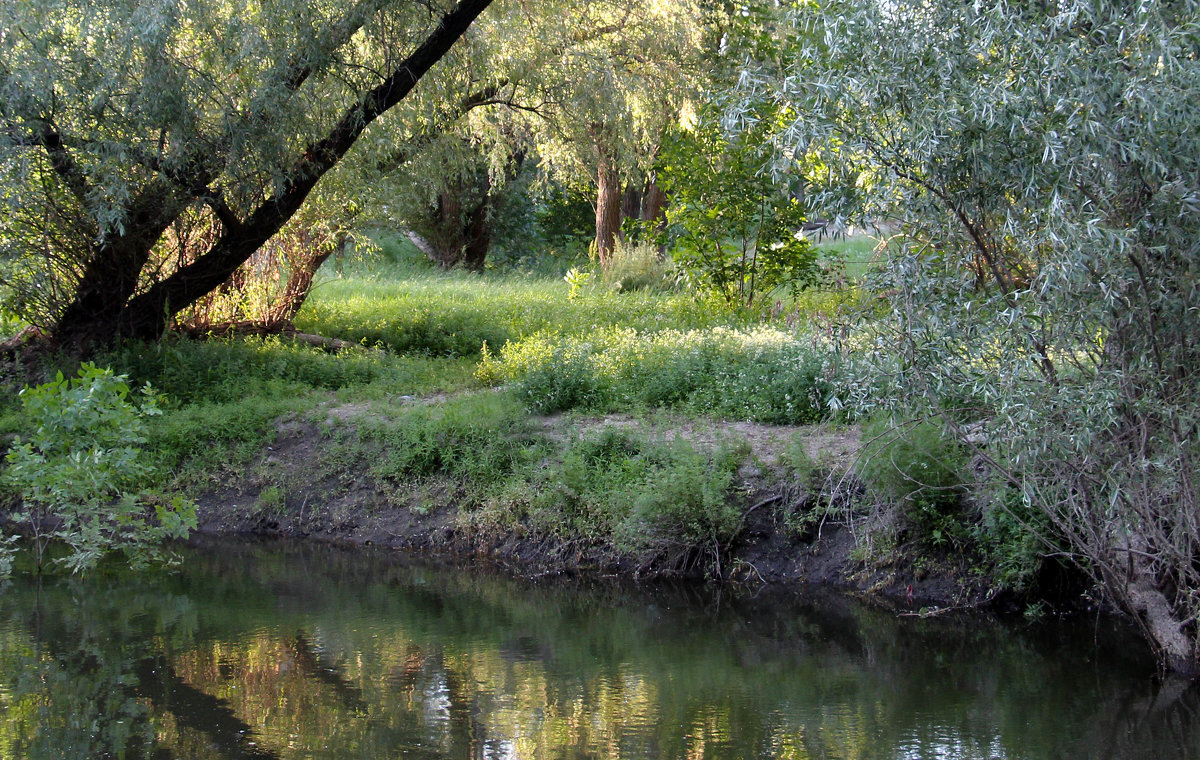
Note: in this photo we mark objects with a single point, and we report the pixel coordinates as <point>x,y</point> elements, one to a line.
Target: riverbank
<point>792,508</point>
<point>643,433</point>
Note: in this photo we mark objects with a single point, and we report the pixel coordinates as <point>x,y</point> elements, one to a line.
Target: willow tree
<point>1040,160</point>
<point>612,97</point>
<point>127,127</point>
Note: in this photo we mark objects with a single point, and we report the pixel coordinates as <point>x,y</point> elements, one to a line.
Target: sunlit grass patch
<point>454,314</point>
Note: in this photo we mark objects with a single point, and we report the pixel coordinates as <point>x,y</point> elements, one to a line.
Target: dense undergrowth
<point>492,351</point>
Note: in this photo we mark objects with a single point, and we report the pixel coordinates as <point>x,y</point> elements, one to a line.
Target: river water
<point>255,650</point>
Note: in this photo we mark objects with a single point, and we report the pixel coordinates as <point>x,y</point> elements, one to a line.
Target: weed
<point>271,500</point>
<point>919,467</point>
<point>762,375</point>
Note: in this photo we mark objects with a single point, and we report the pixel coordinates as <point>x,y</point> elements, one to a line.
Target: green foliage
<point>919,467</point>
<point>762,375</point>
<point>1041,159</point>
<point>9,546</point>
<point>640,497</point>
<point>575,280</point>
<point>453,314</point>
<point>477,440</point>
<point>1011,538</point>
<point>736,228</point>
<point>79,472</point>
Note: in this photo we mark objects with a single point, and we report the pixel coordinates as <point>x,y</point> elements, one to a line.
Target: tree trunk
<point>654,205</point>
<point>462,231</point>
<point>654,212</point>
<point>631,206</point>
<point>608,208</point>
<point>448,227</point>
<point>299,283</point>
<point>478,232</point>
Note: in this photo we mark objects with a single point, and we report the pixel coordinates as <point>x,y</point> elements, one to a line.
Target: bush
<point>917,466</point>
<point>79,473</point>
<point>640,497</point>
<point>763,375</point>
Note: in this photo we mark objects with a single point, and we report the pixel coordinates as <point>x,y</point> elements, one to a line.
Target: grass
<point>859,253</point>
<point>761,374</point>
<point>648,499</point>
<point>627,342</point>
<point>418,311</point>
<point>634,347</point>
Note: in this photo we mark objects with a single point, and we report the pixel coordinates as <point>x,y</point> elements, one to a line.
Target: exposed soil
<point>295,488</point>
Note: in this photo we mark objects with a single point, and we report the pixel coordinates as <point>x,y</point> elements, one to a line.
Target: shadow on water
<point>284,651</point>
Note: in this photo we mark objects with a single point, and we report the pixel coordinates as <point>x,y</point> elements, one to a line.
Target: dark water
<point>287,651</point>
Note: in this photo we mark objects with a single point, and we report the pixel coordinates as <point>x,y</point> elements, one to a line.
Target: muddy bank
<point>794,529</point>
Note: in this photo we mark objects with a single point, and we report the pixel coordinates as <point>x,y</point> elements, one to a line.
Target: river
<point>286,650</point>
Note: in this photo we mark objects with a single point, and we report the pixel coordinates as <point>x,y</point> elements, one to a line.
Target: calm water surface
<point>286,651</point>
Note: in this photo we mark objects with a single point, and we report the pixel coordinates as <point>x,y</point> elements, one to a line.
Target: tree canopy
<point>1038,161</point>
<point>148,149</point>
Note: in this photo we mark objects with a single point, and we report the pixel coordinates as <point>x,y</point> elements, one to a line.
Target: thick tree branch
<point>144,314</point>
<point>62,161</point>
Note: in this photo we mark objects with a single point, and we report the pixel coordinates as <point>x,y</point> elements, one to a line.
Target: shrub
<point>763,375</point>
<point>81,469</point>
<point>477,439</point>
<point>919,467</point>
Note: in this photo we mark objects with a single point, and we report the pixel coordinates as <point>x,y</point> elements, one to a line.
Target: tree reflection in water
<point>287,651</point>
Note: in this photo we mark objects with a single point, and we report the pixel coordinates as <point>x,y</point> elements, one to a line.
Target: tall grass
<point>762,374</point>
<point>223,370</point>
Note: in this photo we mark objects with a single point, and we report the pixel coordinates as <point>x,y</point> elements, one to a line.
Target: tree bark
<point>608,207</point>
<point>654,205</point>
<point>631,206</point>
<point>448,227</point>
<point>478,232</point>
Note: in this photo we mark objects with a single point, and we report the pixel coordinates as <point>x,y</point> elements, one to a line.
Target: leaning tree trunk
<point>105,306</point>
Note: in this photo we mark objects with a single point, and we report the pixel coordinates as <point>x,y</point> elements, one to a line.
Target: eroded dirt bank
<point>795,528</point>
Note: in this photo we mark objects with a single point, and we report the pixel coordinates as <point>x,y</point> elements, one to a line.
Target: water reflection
<point>312,652</point>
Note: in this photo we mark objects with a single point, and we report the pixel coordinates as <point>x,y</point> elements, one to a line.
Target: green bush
<point>1008,536</point>
<point>477,439</point>
<point>921,468</point>
<point>763,375</point>
<point>79,473</point>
